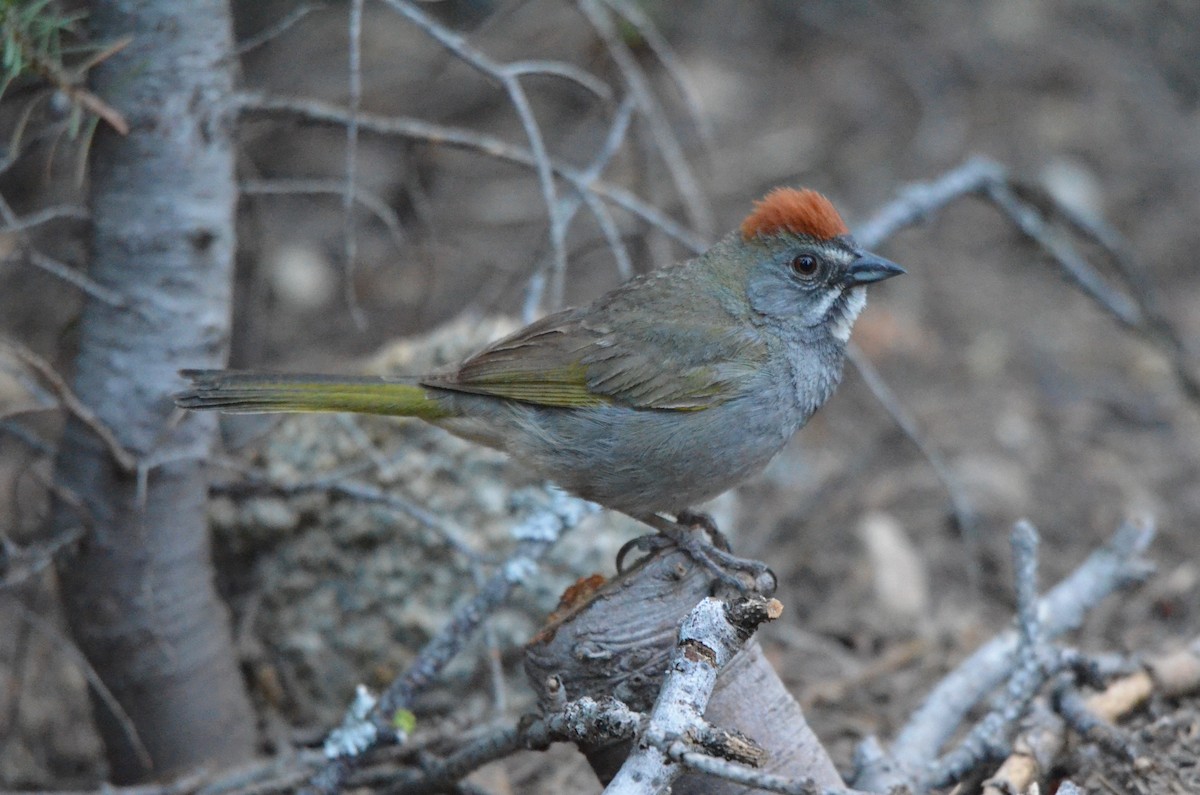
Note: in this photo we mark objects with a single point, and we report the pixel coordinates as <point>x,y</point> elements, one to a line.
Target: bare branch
<point>349,232</point>
<point>272,32</point>
<point>569,206</point>
<point>510,79</point>
<point>1114,565</point>
<point>18,225</point>
<point>69,401</point>
<point>42,626</point>
<point>56,212</point>
<point>76,279</point>
<point>1033,224</point>
<point>584,720</point>
<point>26,437</point>
<point>964,512</point>
<point>708,638</point>
<point>21,564</point>
<point>989,738</point>
<point>918,201</point>
<point>662,49</point>
<point>699,213</point>
<point>461,138</point>
<point>565,71</point>
<point>749,777</point>
<point>332,187</point>
<point>70,81</point>
<point>536,534</point>
<point>1071,706</point>
<point>1033,210</point>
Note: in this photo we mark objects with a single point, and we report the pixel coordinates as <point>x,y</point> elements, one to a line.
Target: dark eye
<point>805,265</point>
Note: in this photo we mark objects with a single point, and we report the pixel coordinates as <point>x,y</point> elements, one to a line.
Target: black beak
<point>869,268</point>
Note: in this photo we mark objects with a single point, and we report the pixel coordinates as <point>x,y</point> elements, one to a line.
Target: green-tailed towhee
<point>658,395</point>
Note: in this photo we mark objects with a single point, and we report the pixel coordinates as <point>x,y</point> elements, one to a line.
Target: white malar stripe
<point>856,299</point>
<point>827,302</point>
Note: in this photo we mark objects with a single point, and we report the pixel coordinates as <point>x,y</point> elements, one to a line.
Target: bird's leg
<point>705,522</point>
<point>698,536</point>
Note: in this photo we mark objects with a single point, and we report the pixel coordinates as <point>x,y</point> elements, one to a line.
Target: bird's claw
<point>649,543</point>
<point>697,535</point>
<point>705,522</point>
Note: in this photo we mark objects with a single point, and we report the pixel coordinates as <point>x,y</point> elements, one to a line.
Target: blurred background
<point>1043,405</point>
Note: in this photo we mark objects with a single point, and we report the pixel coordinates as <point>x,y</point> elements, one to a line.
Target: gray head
<point>805,271</point>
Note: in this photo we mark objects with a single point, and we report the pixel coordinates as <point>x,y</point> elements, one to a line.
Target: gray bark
<point>138,592</point>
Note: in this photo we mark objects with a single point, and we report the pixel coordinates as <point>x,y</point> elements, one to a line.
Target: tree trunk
<point>138,592</point>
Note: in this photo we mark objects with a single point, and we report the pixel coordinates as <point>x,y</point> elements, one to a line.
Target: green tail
<point>246,392</point>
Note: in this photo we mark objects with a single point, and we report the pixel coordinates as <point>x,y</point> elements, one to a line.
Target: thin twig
<point>915,203</point>
<point>1033,225</point>
<point>1071,706</point>
<point>119,714</point>
<point>566,71</point>
<point>699,213</point>
<point>964,512</point>
<point>76,407</point>
<point>536,534</point>
<point>586,720</point>
<point>272,32</point>
<point>666,55</point>
<point>462,138</point>
<point>13,223</point>
<point>332,187</point>
<point>918,201</point>
<point>337,484</point>
<point>989,180</point>
<point>1139,310</point>
<point>73,212</point>
<point>511,81</point>
<point>492,655</point>
<point>12,153</point>
<point>1033,210</point>
<point>70,82</point>
<point>27,437</point>
<point>441,775</point>
<point>73,277</point>
<point>569,206</point>
<point>1113,566</point>
<point>989,738</point>
<point>349,231</point>
<point>21,564</point>
<point>1106,238</point>
<point>710,635</point>
<point>748,776</point>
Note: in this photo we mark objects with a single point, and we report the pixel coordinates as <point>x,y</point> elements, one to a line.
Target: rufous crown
<point>801,212</point>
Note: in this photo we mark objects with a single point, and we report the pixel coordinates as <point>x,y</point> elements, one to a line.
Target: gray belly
<point>634,460</point>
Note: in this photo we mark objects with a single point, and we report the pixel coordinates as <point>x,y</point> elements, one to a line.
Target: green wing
<point>576,359</point>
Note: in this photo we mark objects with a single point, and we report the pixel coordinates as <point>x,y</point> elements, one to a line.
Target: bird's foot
<point>697,535</point>
<point>704,521</point>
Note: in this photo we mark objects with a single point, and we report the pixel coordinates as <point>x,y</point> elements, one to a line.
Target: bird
<point>661,394</point>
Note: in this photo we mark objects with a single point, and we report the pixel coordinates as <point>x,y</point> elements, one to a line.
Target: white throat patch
<point>853,301</point>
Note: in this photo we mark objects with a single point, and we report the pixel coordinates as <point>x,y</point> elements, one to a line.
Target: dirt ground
<point>1044,407</point>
